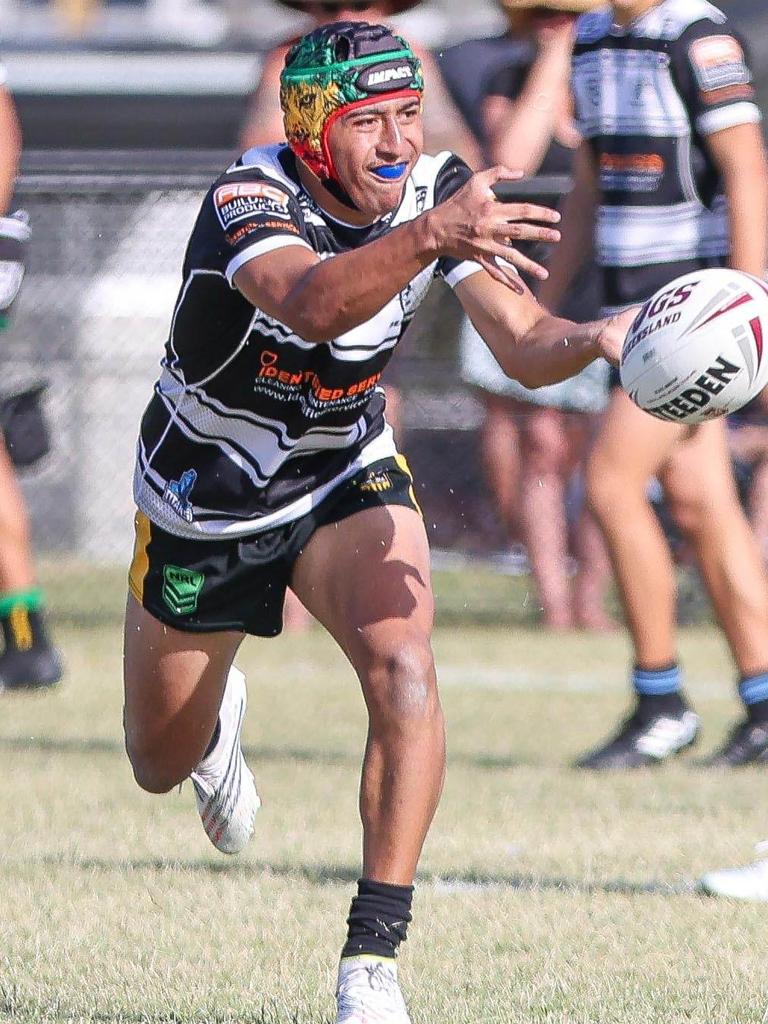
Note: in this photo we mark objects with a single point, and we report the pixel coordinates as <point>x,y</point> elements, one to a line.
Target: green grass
<point>545,896</point>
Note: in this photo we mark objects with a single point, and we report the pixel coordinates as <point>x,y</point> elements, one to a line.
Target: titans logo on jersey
<point>262,422</point>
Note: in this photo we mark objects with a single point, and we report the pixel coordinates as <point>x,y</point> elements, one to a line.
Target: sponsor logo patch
<point>249,199</point>
<point>386,77</point>
<point>719,63</point>
<point>376,480</point>
<point>181,589</point>
<point>639,172</point>
<point>252,226</point>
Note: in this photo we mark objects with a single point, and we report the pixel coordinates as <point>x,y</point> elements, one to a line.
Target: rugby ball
<point>697,348</point>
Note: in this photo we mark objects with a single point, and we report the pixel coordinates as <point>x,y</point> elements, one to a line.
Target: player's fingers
<point>501,274</point>
<point>498,173</point>
<point>511,255</point>
<point>524,263</point>
<point>530,212</point>
<point>521,231</point>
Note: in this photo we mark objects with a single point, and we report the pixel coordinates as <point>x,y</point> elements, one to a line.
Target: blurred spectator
<point>28,660</point>
<point>671,178</point>
<point>444,128</point>
<point>748,439</point>
<point>535,443</point>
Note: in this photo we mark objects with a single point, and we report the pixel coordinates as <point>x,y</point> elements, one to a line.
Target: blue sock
<point>657,682</point>
<point>658,690</point>
<point>754,692</point>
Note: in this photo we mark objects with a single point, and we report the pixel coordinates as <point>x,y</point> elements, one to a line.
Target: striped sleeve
<point>715,78</point>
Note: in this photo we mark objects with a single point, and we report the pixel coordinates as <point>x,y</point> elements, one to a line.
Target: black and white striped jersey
<point>647,96</point>
<point>250,426</point>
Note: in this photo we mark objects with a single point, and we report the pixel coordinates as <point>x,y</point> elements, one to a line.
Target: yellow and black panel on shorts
<point>239,584</point>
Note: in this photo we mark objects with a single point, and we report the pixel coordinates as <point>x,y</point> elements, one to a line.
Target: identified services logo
<point>181,588</point>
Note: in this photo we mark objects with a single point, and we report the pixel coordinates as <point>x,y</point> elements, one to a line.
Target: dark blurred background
<point>176,73</point>
<point>129,109</point>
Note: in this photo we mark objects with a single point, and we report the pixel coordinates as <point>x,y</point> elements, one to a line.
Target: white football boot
<point>747,883</point>
<point>368,992</point>
<point>224,788</point>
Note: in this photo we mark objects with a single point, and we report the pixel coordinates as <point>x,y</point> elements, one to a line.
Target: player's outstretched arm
<point>740,157</point>
<point>529,344</point>
<point>321,300</point>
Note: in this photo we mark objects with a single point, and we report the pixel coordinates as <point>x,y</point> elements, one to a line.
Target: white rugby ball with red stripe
<point>699,348</point>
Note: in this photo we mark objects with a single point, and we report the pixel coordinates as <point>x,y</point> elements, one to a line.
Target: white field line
<point>488,677</point>
<point>517,680</point>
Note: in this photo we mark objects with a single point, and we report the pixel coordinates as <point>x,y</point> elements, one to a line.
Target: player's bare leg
<point>367,580</point>
<point>758,505</point>
<point>698,480</point>
<point>699,484</point>
<point>184,708</point>
<point>594,570</point>
<point>29,660</point>
<point>630,449</point>
<point>16,569</point>
<point>545,456</point>
<point>499,441</point>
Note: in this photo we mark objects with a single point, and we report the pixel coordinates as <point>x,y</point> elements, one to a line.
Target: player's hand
<point>612,333</point>
<point>475,225</point>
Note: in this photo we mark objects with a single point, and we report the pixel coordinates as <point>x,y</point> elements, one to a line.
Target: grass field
<point>544,895</point>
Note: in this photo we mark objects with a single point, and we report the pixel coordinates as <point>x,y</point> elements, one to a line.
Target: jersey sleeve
<point>450,178</point>
<point>715,78</point>
<point>452,175</point>
<point>248,214</point>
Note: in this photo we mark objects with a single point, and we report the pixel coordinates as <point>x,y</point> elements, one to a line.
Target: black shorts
<point>206,586</point>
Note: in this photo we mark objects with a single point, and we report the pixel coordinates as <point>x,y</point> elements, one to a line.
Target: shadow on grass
<point>299,755</point>
<point>341,874</point>
<point>14,1006</point>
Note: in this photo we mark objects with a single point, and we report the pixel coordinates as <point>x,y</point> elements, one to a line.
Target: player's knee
<point>546,449</point>
<point>604,489</point>
<point>689,512</point>
<point>401,683</point>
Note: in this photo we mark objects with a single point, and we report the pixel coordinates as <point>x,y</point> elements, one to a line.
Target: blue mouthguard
<point>391,172</point>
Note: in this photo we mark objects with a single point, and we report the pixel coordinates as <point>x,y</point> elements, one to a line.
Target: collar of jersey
<point>337,220</point>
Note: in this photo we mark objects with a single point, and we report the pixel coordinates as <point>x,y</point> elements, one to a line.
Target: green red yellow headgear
<point>334,69</point>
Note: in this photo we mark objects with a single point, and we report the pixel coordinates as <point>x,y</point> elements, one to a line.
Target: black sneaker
<point>644,740</point>
<point>747,743</point>
<point>34,669</point>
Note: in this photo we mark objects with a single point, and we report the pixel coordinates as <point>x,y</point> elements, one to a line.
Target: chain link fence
<point>104,267</point>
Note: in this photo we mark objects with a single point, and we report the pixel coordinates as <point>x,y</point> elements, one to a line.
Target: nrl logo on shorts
<point>176,494</point>
<point>181,588</point>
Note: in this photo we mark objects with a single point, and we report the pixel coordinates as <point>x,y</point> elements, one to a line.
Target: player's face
<point>374,149</point>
